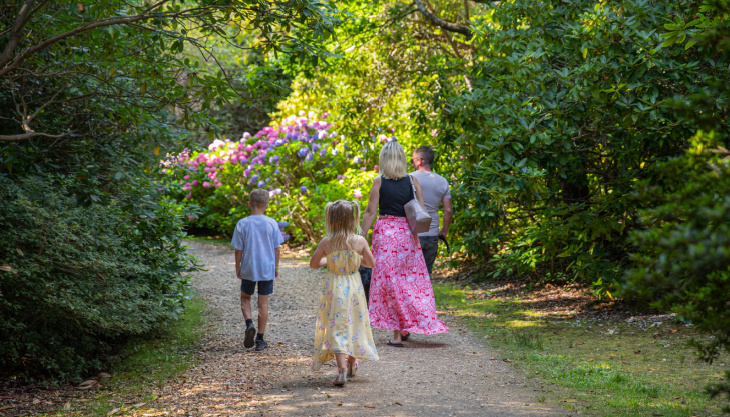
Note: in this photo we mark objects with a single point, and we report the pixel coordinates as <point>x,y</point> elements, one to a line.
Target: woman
<point>401,295</point>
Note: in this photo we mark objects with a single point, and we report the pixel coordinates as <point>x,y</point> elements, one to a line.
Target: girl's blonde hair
<point>342,223</point>
<point>393,161</point>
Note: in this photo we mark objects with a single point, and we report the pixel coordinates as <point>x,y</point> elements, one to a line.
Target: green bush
<point>570,106</point>
<point>78,278</point>
<point>682,255</point>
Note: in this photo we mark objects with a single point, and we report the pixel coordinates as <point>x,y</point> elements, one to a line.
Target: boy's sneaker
<point>261,344</point>
<point>250,335</point>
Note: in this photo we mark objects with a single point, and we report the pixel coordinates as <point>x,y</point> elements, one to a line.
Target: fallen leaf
<point>328,396</point>
<point>248,395</point>
<point>6,407</point>
<point>20,252</point>
<point>36,401</point>
<point>114,411</point>
<point>657,335</point>
<point>67,406</point>
<point>638,351</point>
<point>339,403</point>
<point>581,343</point>
<point>7,268</point>
<point>674,331</point>
<point>369,406</point>
<point>138,405</point>
<point>397,403</point>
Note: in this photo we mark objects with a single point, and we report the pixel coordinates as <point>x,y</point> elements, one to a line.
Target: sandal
<point>341,377</point>
<point>351,368</point>
<point>406,336</point>
<point>394,344</point>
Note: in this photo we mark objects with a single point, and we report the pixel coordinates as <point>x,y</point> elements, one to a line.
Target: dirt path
<point>442,375</point>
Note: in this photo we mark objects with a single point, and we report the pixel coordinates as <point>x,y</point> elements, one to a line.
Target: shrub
<point>77,279</point>
<point>682,256</point>
<point>300,160</point>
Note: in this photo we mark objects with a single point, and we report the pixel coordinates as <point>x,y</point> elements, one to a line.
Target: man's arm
<point>239,253</point>
<point>448,214</point>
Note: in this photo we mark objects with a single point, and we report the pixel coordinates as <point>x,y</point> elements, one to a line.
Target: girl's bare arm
<point>366,256</point>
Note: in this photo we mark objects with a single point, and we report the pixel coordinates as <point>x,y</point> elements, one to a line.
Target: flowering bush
<point>301,160</point>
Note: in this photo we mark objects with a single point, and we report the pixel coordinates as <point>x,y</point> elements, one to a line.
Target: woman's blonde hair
<point>393,161</point>
<point>342,223</point>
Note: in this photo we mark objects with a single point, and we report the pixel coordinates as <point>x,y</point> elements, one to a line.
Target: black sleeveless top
<point>394,194</point>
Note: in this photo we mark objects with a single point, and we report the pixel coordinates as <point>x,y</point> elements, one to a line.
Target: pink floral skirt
<point>401,295</point>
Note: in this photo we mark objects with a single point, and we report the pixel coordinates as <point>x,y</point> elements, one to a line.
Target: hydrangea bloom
<point>303,189</point>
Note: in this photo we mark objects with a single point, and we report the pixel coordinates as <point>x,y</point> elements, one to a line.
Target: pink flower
<point>357,193</point>
<point>196,182</point>
<point>191,217</point>
<point>188,196</point>
<point>206,184</point>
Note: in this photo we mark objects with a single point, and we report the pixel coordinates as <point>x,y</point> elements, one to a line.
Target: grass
<point>601,368</point>
<point>146,365</point>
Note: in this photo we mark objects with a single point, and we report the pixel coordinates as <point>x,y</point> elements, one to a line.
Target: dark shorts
<point>265,287</point>
<point>430,248</point>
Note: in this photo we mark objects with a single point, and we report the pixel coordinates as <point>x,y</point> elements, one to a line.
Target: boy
<point>256,239</point>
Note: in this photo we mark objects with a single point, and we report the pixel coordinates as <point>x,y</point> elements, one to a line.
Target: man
<point>436,192</point>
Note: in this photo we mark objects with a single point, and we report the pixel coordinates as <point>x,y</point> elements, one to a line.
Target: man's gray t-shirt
<point>435,188</point>
<point>257,236</point>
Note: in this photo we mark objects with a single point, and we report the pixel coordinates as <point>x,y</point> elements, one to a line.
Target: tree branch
<point>442,23</point>
<point>29,135</point>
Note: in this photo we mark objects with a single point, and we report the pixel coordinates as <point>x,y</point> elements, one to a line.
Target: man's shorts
<point>265,287</point>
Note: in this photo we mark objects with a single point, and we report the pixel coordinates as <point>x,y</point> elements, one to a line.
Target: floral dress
<point>343,324</point>
<point>401,295</point>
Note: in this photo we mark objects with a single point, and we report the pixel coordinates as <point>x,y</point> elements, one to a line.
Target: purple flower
<point>309,157</point>
<point>303,189</point>
<point>303,152</point>
<point>276,171</point>
<point>206,184</point>
<point>283,224</point>
<point>316,147</point>
<point>357,160</point>
<point>323,152</point>
<point>191,217</point>
<point>254,177</point>
<point>334,152</point>
<point>261,184</point>
<point>273,159</point>
<point>195,182</point>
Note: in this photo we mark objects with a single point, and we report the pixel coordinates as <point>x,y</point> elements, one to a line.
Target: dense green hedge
<point>76,278</point>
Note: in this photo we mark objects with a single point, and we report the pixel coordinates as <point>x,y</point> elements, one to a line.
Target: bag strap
<point>413,186</point>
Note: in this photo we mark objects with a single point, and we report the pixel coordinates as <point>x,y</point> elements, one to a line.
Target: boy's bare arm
<point>277,251</point>
<point>239,253</point>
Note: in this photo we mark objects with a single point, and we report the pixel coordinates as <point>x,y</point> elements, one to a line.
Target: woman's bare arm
<point>372,209</point>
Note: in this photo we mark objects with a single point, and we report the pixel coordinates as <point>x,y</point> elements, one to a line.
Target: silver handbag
<point>418,218</point>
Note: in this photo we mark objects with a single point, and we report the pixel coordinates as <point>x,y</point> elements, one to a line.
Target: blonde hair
<point>259,198</point>
<point>393,161</point>
<point>341,223</point>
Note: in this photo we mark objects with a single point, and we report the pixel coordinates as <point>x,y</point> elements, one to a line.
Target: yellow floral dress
<point>343,323</point>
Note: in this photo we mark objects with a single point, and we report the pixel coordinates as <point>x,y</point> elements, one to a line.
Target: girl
<point>343,324</point>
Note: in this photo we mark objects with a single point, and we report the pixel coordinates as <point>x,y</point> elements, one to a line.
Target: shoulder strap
<point>410,177</point>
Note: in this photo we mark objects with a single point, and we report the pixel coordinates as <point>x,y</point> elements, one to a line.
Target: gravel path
<point>441,375</point>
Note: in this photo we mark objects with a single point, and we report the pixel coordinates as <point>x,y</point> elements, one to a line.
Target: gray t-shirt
<point>435,188</point>
<point>257,236</point>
